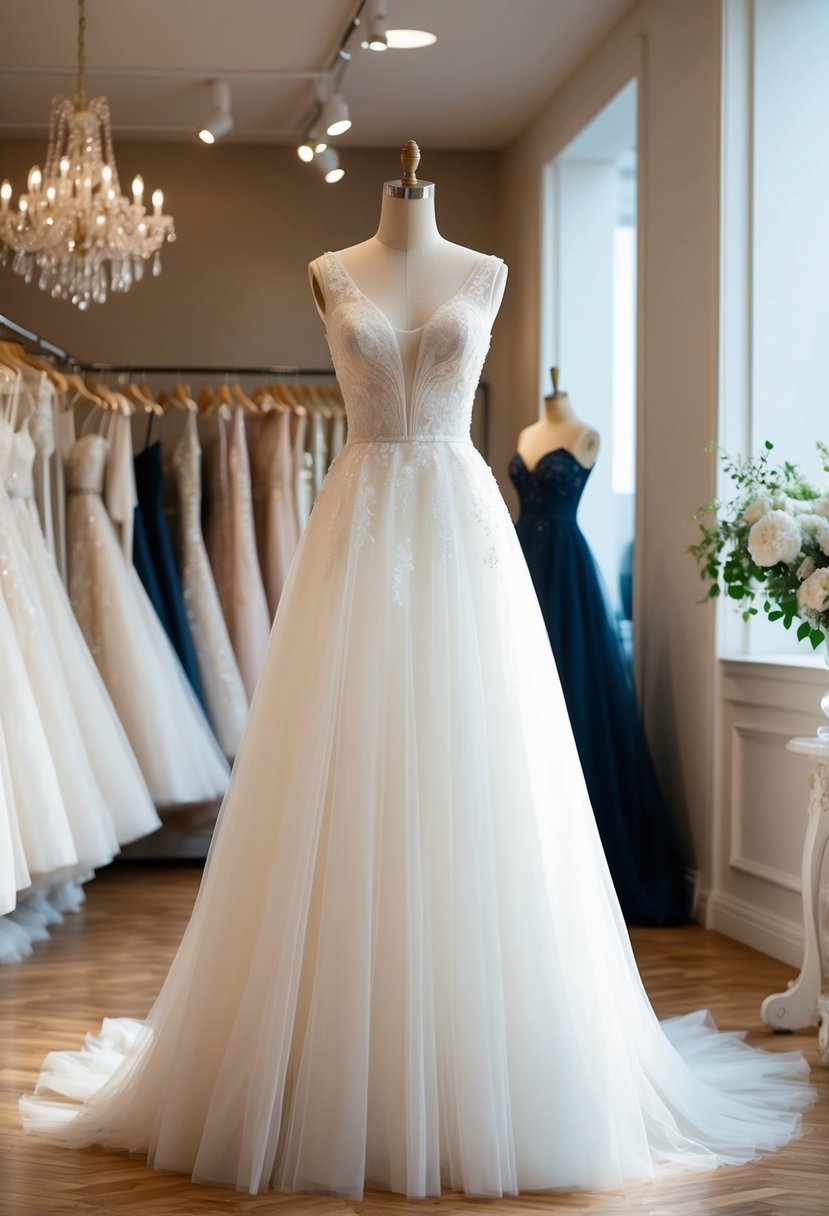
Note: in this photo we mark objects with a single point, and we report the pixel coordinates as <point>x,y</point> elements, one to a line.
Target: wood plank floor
<point>112,957</point>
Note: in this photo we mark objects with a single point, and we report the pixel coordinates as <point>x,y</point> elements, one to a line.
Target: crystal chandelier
<point>73,228</point>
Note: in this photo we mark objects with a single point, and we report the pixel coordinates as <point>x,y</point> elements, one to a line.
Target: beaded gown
<point>169,734</point>
<point>638,835</point>
<point>407,938</point>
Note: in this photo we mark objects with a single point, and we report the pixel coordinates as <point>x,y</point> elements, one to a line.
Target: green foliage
<point>722,553</point>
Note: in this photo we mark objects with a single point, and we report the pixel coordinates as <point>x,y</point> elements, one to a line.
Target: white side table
<point>797,1007</point>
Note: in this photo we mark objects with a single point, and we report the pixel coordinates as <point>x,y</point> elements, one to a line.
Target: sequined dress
<point>407,967</point>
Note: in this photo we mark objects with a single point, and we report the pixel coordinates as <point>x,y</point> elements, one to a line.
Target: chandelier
<point>73,229</point>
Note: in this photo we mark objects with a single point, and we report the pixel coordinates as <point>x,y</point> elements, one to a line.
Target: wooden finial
<point>554,378</point>
<point>410,157</point>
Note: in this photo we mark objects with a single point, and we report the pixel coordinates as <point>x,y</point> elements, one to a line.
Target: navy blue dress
<point>154,559</point>
<point>638,835</point>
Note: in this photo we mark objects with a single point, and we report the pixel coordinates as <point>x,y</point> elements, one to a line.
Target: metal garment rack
<point>46,347</point>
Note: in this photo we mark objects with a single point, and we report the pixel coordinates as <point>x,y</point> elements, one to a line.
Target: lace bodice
<point>86,464</point>
<point>366,350</point>
<point>19,479</point>
<point>553,488</point>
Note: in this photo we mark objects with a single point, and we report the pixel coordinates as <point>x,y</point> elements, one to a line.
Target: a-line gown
<point>406,965</point>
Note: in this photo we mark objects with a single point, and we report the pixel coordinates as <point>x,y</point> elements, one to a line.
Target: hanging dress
<point>224,692</point>
<point>169,734</point>
<point>149,479</point>
<point>90,821</point>
<point>274,506</point>
<point>116,770</point>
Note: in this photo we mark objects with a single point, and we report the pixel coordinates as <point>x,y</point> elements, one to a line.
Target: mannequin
<point>559,428</point>
<point>407,268</point>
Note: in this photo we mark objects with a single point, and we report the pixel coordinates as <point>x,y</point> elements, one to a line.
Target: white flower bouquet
<point>770,538</point>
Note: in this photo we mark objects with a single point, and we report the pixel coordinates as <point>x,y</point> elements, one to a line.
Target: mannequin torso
<point>407,268</point>
<point>559,428</point>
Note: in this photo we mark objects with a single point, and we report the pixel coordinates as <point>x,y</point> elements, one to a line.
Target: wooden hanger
<point>183,398</point>
<point>16,352</point>
<point>79,387</point>
<point>244,400</point>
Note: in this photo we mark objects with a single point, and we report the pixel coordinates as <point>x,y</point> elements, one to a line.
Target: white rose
<point>813,593</point>
<point>821,506</point>
<point>806,567</point>
<point>782,502</point>
<point>813,527</point>
<point>802,506</point>
<point>823,542</point>
<point>774,538</point>
<point>757,510</point>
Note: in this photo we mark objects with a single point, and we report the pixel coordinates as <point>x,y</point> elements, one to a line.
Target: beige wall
<point>674,47</point>
<point>234,287</point>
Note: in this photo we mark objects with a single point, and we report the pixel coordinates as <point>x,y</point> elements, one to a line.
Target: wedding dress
<point>225,698</point>
<point>90,822</point>
<point>113,762</point>
<point>407,963</point>
<point>169,734</point>
<point>274,504</point>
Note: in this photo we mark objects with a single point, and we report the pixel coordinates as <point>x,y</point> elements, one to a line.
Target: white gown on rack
<point>407,963</point>
<point>175,748</point>
<point>90,821</point>
<point>113,762</point>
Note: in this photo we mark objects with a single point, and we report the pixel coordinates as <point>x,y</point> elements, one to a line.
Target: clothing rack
<point>81,365</point>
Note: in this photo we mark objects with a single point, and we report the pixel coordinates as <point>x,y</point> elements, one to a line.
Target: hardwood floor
<point>111,959</point>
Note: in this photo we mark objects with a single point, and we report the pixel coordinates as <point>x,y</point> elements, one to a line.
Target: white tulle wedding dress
<point>406,966</point>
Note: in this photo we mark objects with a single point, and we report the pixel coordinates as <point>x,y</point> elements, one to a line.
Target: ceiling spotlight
<point>221,119</point>
<point>409,40</point>
<point>328,163</point>
<point>335,118</point>
<point>305,152</point>
<point>376,38</point>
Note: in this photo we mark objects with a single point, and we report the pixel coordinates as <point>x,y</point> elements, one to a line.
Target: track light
<point>376,39</point>
<point>221,119</point>
<point>335,116</point>
<point>305,152</point>
<point>328,163</point>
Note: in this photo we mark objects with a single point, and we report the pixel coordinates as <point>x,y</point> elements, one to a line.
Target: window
<point>775,230</point>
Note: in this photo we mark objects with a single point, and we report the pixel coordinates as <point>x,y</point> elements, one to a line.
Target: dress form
<point>559,428</point>
<point>407,268</point>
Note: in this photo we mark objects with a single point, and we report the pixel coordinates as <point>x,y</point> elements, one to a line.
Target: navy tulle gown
<point>639,839</point>
<point>154,559</point>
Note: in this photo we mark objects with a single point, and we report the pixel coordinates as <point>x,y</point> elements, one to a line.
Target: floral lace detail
<point>366,354</point>
<point>392,456</point>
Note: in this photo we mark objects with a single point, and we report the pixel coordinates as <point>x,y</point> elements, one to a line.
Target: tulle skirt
<point>90,823</point>
<point>113,762</point>
<point>176,751</point>
<point>406,966</point>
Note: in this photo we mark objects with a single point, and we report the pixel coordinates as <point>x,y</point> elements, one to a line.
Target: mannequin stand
<point>797,1007</point>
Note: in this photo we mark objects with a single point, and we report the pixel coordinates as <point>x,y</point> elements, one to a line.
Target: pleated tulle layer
<point>406,966</point>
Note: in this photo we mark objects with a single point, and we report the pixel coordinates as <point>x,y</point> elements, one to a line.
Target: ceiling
<point>493,66</point>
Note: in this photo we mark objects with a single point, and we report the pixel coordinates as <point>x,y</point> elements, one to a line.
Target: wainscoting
<point>760,799</point>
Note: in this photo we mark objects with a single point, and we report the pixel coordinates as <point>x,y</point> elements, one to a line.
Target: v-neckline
<point>484,257</point>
